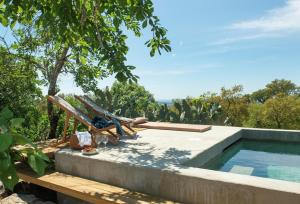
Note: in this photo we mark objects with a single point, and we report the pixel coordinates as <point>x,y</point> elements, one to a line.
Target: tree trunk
<point>53,115</point>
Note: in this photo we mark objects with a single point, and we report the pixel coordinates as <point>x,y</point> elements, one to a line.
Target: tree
<point>234,105</point>
<point>282,86</point>
<point>19,88</point>
<point>127,99</point>
<point>255,118</point>
<point>282,112</point>
<point>84,38</point>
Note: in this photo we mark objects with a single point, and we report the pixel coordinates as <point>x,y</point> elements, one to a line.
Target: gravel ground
<point>23,199</point>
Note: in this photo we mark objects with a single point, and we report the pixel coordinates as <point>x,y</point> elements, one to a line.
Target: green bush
<point>9,154</point>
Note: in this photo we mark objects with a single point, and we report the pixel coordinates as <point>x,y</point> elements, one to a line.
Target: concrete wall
<point>188,185</point>
<point>140,179</point>
<point>214,190</point>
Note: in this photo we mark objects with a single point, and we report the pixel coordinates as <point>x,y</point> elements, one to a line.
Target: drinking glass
<point>99,140</point>
<point>105,140</point>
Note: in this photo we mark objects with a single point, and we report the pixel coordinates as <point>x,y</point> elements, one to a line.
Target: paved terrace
<point>161,149</point>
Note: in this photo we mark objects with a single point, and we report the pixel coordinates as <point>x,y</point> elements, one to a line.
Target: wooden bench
<point>174,126</point>
<point>84,189</point>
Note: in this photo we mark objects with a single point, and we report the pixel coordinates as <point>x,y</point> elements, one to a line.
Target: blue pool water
<point>270,159</point>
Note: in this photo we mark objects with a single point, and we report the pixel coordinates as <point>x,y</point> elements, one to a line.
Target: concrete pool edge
<point>187,184</point>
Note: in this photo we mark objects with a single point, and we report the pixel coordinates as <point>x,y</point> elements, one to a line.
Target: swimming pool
<point>270,159</point>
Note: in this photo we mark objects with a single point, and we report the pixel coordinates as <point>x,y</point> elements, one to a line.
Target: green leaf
<point>21,140</point>
<point>3,21</point>
<point>42,156</point>
<point>16,122</point>
<point>5,161</point>
<point>151,22</point>
<point>5,141</point>
<point>14,46</point>
<point>85,51</point>
<point>37,164</point>
<point>121,77</point>
<point>19,9</point>
<point>83,60</point>
<point>152,52</point>
<point>5,116</point>
<point>144,25</point>
<point>9,178</point>
<point>83,43</point>
<point>168,48</point>
<point>12,25</point>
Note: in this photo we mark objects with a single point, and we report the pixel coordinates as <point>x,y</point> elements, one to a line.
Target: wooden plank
<point>174,126</point>
<point>85,189</point>
<point>75,126</point>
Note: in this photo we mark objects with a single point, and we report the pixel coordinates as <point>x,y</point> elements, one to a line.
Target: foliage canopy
<point>90,29</point>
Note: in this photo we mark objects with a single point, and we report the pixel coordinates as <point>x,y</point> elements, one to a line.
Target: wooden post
<point>66,126</point>
<point>128,127</point>
<point>113,134</point>
<point>75,125</point>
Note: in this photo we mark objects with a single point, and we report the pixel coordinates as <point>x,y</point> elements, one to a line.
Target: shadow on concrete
<point>146,154</point>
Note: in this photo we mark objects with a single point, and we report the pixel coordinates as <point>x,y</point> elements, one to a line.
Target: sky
<point>214,44</point>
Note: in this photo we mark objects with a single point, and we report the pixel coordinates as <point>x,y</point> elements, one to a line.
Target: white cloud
<point>274,23</point>
<point>286,18</point>
<point>238,38</point>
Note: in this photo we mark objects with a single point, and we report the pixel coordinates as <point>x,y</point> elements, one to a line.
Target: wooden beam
<point>113,134</point>
<point>174,126</point>
<point>129,128</point>
<point>87,190</point>
<point>75,125</point>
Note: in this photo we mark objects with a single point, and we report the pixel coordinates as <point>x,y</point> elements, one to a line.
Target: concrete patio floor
<point>161,149</point>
